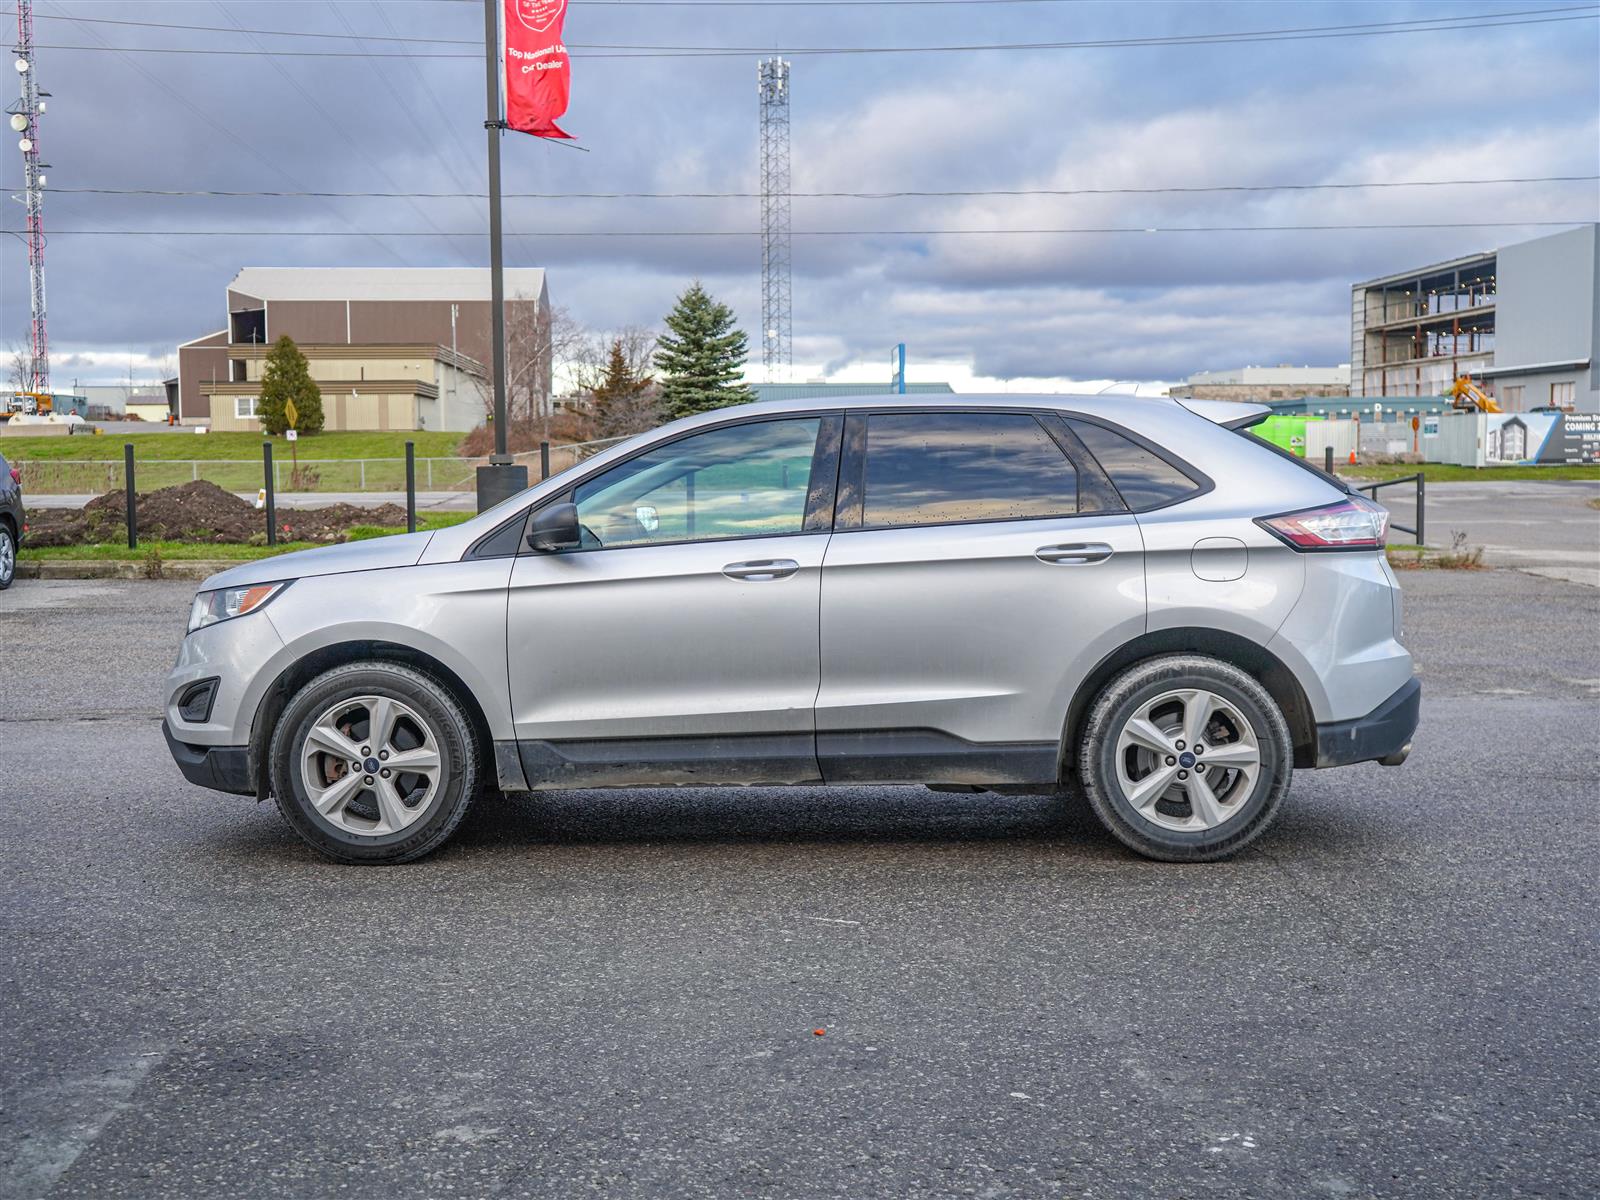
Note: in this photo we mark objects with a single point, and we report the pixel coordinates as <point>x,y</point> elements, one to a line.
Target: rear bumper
<point>1384,734</point>
<point>221,768</point>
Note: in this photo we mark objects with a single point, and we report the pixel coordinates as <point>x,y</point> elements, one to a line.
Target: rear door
<point>981,565</point>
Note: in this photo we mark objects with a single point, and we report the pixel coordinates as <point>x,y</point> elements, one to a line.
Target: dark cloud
<point>1133,306</point>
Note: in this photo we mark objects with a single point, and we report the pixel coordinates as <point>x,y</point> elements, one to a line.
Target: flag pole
<point>502,477</point>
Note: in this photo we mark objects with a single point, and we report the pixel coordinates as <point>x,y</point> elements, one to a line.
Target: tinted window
<point>934,468</point>
<point>738,481</point>
<point>1145,479</point>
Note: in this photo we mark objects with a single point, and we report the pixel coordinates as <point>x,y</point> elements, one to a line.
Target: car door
<point>678,642</point>
<point>981,565</point>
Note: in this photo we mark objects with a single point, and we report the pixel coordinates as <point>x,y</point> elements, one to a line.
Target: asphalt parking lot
<point>1543,527</point>
<point>1392,994</point>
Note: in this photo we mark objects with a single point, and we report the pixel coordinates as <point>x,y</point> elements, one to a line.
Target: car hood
<point>373,554</point>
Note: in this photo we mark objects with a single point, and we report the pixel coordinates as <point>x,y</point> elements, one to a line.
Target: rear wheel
<point>1185,758</point>
<point>374,763</point>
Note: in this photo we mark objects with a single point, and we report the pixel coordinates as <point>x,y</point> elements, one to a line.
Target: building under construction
<point>1523,321</point>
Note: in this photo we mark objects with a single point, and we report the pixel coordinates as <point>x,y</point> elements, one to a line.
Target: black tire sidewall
<point>457,751</point>
<point>1098,765</point>
<point>7,536</point>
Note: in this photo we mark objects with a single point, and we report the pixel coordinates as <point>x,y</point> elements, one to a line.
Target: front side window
<point>939,468</point>
<point>1144,479</point>
<point>738,481</point>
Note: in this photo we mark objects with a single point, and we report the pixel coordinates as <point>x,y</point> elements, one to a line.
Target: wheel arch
<point>1251,657</point>
<point>300,672</point>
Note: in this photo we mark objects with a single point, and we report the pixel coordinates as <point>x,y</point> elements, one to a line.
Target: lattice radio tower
<point>777,350</point>
<point>25,122</point>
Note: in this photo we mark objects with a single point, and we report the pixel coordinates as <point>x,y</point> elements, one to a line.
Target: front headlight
<point>226,603</point>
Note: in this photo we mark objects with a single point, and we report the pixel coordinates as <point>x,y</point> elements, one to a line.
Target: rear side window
<point>941,468</point>
<point>1144,478</point>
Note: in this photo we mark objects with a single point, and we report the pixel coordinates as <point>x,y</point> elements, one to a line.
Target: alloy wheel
<point>371,765</point>
<point>1188,760</point>
<point>8,557</point>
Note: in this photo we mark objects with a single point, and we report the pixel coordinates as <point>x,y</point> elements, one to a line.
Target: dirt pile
<point>200,512</point>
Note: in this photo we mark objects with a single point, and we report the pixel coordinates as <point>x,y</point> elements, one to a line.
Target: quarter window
<point>1144,478</point>
<point>938,468</point>
<point>738,481</point>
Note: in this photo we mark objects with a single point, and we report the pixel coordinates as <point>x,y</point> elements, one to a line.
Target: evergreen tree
<point>700,356</point>
<point>287,377</point>
<point>623,403</point>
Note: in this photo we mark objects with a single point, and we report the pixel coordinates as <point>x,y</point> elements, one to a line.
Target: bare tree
<point>536,342</point>
<point>19,367</point>
<point>591,359</point>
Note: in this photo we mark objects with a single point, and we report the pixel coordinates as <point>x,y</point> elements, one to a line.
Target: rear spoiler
<point>1230,414</point>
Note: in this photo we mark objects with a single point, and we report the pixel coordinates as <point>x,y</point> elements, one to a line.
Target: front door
<point>976,574</point>
<point>679,641</point>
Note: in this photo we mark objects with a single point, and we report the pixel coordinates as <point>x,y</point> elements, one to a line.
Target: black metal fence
<point>1418,530</point>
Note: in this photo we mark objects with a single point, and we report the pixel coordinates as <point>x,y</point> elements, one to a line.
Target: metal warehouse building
<point>1523,321</point>
<point>390,347</point>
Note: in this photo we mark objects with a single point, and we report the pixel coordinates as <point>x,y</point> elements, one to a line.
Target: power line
<point>756,233</point>
<point>351,35</point>
<point>1197,189</point>
<point>219,126</point>
<point>629,51</point>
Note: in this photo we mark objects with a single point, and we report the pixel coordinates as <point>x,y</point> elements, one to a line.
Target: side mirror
<point>554,528</point>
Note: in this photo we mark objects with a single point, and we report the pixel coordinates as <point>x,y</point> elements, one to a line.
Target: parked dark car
<point>11,527</point>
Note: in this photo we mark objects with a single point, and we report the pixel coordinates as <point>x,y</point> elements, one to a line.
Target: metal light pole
<point>502,477</point>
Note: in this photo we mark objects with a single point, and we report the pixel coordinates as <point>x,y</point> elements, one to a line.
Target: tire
<point>1156,801</point>
<point>400,817</point>
<point>8,556</point>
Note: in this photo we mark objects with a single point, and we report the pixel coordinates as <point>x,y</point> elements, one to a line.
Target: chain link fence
<point>79,477</point>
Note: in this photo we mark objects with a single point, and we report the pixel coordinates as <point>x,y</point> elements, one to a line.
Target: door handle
<point>759,569</point>
<point>1074,553</point>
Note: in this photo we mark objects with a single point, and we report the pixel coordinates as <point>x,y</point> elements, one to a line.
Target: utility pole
<point>25,121</point>
<point>502,477</point>
<point>777,352</point>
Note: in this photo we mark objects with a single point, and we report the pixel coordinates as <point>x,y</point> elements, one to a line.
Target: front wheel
<point>1185,758</point>
<point>8,556</point>
<point>374,763</point>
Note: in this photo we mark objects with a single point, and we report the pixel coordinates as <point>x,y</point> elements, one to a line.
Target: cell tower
<point>777,350</point>
<point>25,121</point>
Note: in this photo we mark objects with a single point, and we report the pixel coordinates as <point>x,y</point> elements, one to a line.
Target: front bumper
<point>1384,734</point>
<point>221,768</point>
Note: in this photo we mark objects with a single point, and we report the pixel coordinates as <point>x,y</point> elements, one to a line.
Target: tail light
<point>16,476</point>
<point>1350,524</point>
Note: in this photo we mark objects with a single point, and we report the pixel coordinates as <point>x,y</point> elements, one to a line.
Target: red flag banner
<point>538,72</point>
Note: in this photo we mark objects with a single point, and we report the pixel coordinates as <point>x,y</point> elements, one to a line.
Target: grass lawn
<point>1448,473</point>
<point>118,551</point>
<point>153,446</point>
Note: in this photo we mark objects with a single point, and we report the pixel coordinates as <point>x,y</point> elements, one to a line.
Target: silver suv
<point>1134,597</point>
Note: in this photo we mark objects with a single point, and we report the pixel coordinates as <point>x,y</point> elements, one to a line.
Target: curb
<point>191,569</point>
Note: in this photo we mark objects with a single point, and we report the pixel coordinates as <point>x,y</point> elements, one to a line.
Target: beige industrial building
<point>401,348</point>
<point>1258,385</point>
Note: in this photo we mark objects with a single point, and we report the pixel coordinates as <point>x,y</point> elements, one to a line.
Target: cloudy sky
<point>1017,309</point>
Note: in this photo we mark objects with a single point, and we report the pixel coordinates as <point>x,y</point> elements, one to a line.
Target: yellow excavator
<point>1466,396</point>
